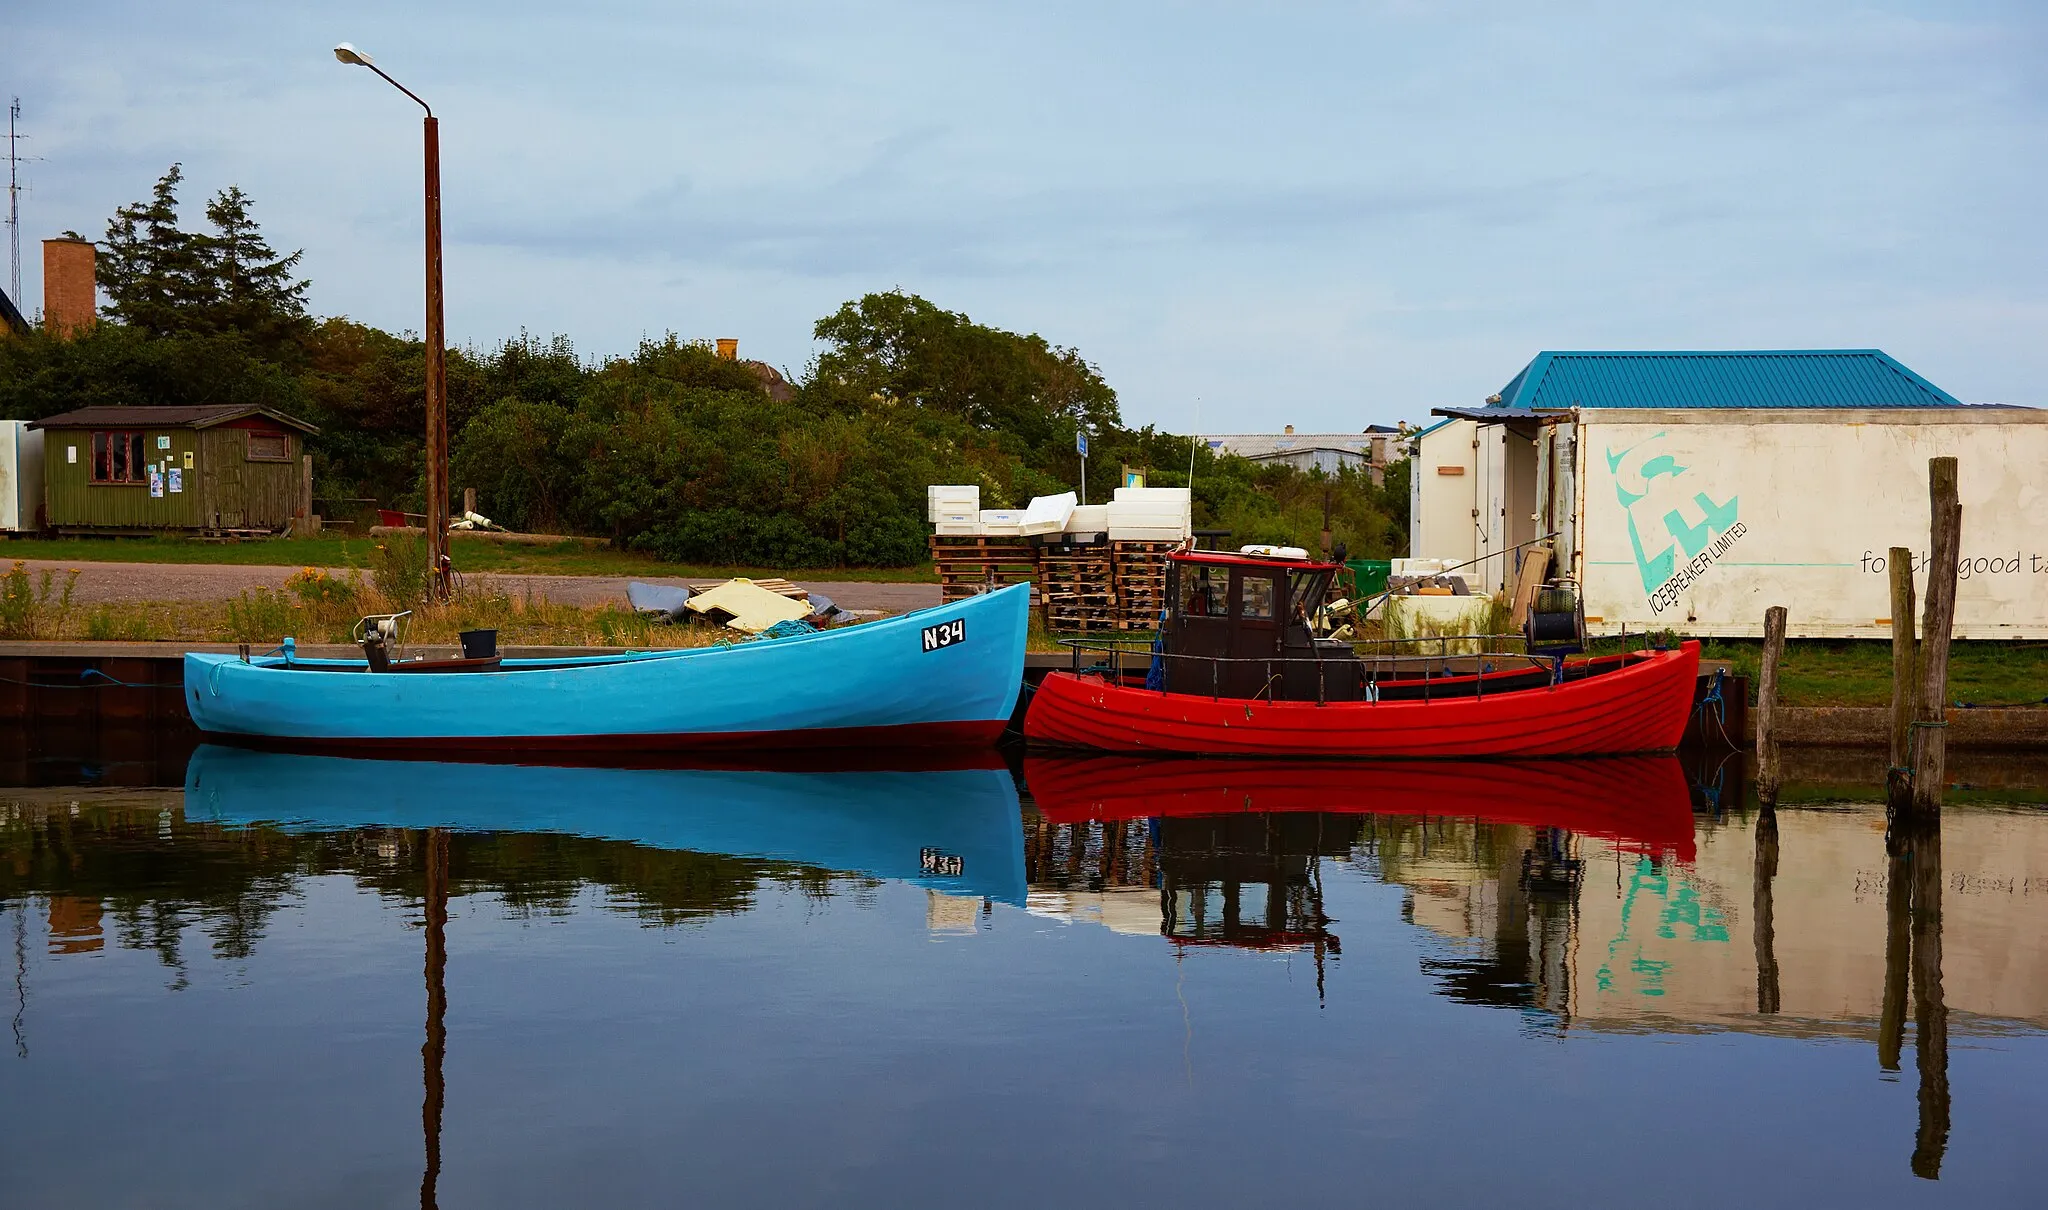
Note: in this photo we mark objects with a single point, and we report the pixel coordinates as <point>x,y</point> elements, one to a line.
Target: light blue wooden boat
<point>955,830</point>
<point>948,675</point>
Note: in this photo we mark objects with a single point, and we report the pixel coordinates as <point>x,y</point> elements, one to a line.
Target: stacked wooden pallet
<point>1140,582</point>
<point>1077,588</point>
<point>966,565</point>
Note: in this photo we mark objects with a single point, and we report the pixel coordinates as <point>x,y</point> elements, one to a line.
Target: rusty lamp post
<point>437,355</point>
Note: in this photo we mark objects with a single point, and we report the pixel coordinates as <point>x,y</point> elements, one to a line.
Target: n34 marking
<point>945,634</point>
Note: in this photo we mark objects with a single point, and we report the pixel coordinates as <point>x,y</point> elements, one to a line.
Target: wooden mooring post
<point>1767,769</point>
<point>1929,748</point>
<point>1898,779</point>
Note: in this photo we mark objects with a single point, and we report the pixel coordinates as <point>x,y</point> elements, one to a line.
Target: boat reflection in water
<point>1231,853</point>
<point>950,829</point>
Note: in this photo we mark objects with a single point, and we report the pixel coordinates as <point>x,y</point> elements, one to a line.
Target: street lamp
<point>437,356</point>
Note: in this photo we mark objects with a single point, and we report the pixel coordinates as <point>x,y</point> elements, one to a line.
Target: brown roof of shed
<point>203,417</point>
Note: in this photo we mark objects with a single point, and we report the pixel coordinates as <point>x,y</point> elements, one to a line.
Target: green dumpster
<point>1371,575</point>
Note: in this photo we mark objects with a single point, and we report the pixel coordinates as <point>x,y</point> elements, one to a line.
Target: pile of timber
<point>1077,588</point>
<point>1140,582</point>
<point>967,565</point>
<point>1081,587</point>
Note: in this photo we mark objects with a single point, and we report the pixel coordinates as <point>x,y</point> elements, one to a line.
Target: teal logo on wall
<point>1676,532</point>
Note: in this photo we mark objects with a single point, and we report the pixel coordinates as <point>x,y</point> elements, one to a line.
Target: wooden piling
<point>1767,770</point>
<point>1930,746</point>
<point>1898,951</point>
<point>1898,780</point>
<point>1764,937</point>
<point>468,499</point>
<point>1930,1006</point>
<point>302,519</point>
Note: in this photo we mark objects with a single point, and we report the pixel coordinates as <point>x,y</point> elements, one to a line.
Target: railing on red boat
<point>1383,663</point>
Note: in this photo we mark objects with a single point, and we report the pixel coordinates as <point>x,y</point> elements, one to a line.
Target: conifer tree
<point>254,290</point>
<point>168,281</point>
<point>153,271</point>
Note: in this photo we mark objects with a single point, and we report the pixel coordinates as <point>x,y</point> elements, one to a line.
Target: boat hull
<point>1641,803</point>
<point>878,822</point>
<point>1640,708</point>
<point>885,682</point>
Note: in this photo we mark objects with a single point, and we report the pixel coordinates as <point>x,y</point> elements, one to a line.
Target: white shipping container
<point>1698,520</point>
<point>21,477</point>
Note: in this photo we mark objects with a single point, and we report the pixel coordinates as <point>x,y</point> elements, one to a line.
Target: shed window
<point>268,447</point>
<point>118,457</point>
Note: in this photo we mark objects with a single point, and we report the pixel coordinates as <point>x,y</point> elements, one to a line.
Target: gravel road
<point>112,583</point>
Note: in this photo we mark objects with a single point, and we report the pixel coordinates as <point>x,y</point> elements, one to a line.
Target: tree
<point>168,281</point>
<point>153,271</point>
<point>896,347</point>
<point>252,290</point>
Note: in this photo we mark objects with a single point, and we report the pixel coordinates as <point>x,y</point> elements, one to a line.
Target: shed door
<point>231,491</point>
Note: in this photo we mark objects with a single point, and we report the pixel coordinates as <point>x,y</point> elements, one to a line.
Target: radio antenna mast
<point>14,203</point>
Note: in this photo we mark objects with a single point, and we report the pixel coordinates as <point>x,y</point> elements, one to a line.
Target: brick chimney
<point>70,302</point>
<point>729,348</point>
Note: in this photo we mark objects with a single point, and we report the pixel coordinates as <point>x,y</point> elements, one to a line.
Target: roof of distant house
<point>202,417</point>
<point>1279,445</point>
<point>1772,378</point>
<point>10,315</point>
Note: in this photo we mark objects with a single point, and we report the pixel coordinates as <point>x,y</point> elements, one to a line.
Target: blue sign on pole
<point>1081,442</point>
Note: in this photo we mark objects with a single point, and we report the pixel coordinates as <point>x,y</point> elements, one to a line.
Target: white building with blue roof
<point>1690,491</point>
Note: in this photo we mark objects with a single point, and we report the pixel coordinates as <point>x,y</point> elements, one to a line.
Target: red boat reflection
<point>1640,803</point>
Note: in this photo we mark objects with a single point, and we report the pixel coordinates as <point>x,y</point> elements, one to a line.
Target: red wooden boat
<point>1241,672</point>
<point>1640,802</point>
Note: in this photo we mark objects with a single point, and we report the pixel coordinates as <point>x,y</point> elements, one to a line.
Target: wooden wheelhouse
<point>1239,626</point>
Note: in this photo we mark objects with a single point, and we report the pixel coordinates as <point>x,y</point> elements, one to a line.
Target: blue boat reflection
<point>952,829</point>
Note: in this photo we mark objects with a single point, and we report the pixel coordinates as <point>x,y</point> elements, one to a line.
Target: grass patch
<point>1858,672</point>
<point>570,557</point>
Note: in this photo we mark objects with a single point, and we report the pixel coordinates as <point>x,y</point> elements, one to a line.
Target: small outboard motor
<point>378,634</point>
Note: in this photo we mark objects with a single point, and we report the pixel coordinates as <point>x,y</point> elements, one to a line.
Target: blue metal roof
<point>1779,378</point>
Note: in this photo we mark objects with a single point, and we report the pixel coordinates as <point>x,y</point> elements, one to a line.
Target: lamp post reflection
<point>435,1050</point>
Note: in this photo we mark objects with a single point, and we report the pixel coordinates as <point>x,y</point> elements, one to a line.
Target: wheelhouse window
<point>269,447</point>
<point>118,457</point>
<point>1309,590</point>
<point>1204,592</point>
<point>1255,598</point>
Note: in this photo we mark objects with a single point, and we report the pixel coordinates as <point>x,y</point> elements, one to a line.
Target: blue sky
<point>1321,214</point>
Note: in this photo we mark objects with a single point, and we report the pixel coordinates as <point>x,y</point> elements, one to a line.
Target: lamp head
<point>349,54</point>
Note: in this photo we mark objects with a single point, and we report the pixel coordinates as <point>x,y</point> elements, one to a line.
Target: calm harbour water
<point>316,982</point>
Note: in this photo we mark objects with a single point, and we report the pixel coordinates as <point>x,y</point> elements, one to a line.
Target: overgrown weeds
<point>26,608</point>
<point>399,568</point>
<point>261,616</point>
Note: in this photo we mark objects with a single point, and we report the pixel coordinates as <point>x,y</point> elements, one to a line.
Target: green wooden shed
<point>212,470</point>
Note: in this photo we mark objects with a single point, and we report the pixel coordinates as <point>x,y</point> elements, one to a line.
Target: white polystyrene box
<point>1088,519</point>
<point>1163,497</point>
<point>1048,514</point>
<point>1002,522</point>
<point>952,498</point>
